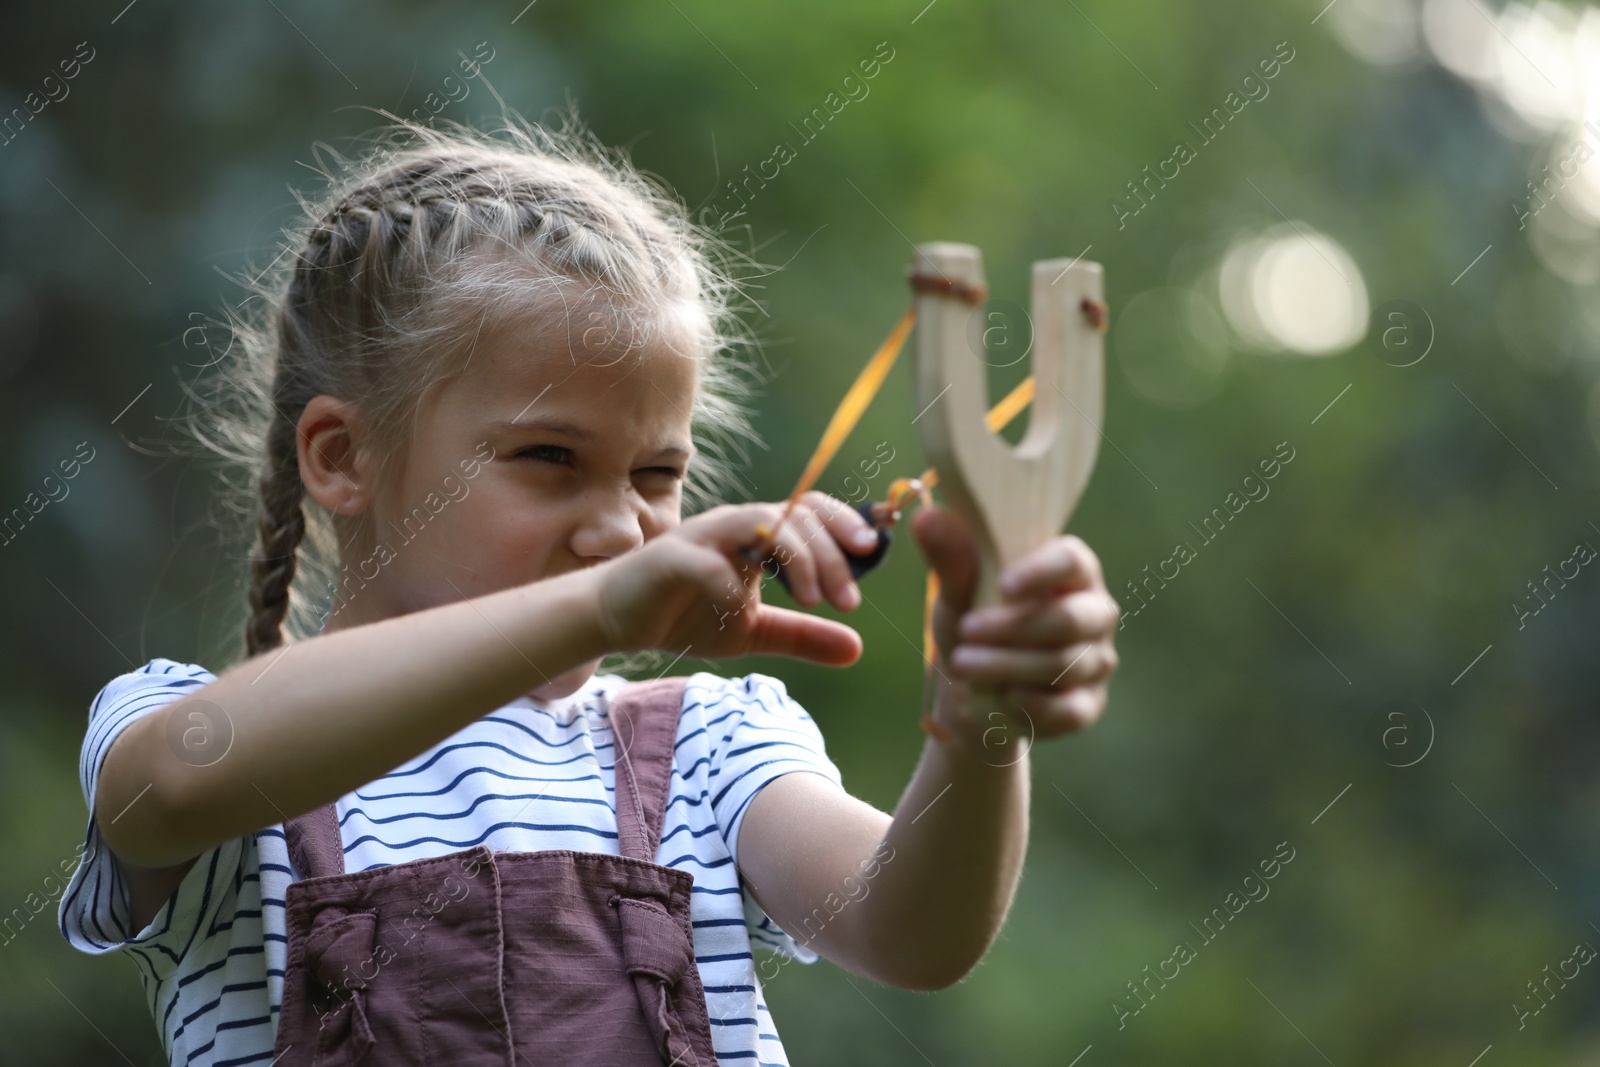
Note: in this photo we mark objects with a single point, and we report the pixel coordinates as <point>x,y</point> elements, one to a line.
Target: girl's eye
<point>547,454</point>
<point>564,457</point>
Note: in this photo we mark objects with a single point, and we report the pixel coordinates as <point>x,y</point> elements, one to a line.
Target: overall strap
<point>644,721</point>
<point>315,847</point>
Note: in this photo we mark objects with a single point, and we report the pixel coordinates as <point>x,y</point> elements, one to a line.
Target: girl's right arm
<point>315,719</point>
<point>321,717</point>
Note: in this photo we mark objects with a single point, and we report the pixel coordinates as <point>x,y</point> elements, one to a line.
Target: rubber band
<point>1014,404</point>
<point>935,731</point>
<point>1096,313</point>
<point>943,286</point>
<point>871,378</point>
<point>845,417</point>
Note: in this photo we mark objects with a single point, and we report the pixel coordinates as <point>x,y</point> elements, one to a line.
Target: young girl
<point>432,833</point>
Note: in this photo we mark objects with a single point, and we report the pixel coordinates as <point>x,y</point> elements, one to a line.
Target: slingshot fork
<point>1014,499</point>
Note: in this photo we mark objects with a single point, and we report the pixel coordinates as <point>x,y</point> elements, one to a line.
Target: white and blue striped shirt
<point>526,777</point>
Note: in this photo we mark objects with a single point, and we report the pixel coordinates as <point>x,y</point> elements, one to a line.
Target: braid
<point>280,526</point>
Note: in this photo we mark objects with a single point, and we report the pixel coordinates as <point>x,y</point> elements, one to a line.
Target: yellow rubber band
<point>848,413</point>
<point>901,490</point>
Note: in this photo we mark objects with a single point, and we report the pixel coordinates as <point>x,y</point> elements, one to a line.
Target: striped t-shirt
<point>529,776</point>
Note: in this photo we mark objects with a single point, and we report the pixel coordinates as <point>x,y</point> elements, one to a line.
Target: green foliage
<point>1255,687</point>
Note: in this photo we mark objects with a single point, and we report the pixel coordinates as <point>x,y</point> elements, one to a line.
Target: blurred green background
<point>1362,616</point>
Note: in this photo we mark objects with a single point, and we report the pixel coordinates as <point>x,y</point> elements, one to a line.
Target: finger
<point>1058,565</point>
<point>735,530</point>
<point>731,528</point>
<point>951,552</point>
<point>832,568</point>
<point>1053,713</point>
<point>793,554</point>
<point>1062,667</point>
<point>784,632</point>
<point>846,525</point>
<point>1062,620</point>
<point>730,584</point>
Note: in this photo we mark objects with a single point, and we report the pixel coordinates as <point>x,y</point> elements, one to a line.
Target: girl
<point>432,833</point>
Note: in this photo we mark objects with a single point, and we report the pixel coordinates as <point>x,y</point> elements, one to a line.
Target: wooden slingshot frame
<point>1014,499</point>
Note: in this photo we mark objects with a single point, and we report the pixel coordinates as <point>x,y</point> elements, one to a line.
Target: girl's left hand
<point>1046,647</point>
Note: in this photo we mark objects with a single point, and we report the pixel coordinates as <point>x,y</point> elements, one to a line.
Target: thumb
<point>948,546</point>
<point>783,632</point>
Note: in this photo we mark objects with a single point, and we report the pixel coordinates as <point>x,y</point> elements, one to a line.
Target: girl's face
<point>546,455</point>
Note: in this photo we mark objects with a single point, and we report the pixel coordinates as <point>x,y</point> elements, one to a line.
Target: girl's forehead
<point>569,329</point>
<point>525,364</point>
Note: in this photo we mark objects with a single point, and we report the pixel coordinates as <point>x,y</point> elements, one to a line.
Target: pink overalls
<point>505,958</point>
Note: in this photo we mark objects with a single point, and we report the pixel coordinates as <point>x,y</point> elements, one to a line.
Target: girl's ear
<point>333,461</point>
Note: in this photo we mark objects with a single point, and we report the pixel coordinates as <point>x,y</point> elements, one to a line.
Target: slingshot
<point>1013,499</point>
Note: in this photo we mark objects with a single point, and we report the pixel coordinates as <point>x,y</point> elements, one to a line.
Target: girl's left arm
<point>911,900</point>
<point>915,899</point>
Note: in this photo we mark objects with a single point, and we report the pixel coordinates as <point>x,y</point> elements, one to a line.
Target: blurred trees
<point>1359,616</point>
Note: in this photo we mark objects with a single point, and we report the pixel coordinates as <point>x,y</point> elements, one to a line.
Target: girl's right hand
<point>691,590</point>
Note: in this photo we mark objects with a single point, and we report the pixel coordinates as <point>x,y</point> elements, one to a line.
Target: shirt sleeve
<point>759,733</point>
<point>94,914</point>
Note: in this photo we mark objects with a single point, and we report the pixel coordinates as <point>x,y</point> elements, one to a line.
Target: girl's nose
<point>610,527</point>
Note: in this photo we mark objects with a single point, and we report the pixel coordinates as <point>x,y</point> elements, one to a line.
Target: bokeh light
<point>1294,290</point>
<point>1378,31</point>
<point>1461,38</point>
<point>1540,62</point>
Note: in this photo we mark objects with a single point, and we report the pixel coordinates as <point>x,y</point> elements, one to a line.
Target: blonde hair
<point>394,269</point>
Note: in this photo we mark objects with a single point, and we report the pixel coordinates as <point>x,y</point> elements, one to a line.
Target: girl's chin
<point>564,685</point>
